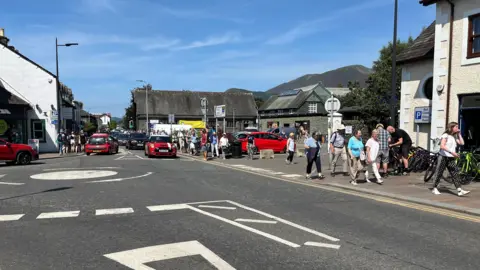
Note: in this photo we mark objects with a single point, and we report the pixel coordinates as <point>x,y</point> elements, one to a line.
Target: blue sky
<point>208,45</point>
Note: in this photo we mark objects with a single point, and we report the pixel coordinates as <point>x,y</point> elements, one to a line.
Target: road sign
<point>336,105</point>
<point>54,122</point>
<point>171,119</point>
<point>204,102</point>
<point>348,129</point>
<point>422,115</point>
<point>220,111</point>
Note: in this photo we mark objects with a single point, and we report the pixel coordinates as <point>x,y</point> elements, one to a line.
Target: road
<point>129,212</point>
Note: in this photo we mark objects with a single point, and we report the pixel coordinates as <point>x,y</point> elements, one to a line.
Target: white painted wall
<point>36,86</point>
<point>105,119</point>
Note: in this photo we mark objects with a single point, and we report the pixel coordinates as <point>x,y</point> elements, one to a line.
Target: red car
<point>13,153</point>
<point>264,140</point>
<point>160,146</point>
<point>101,143</point>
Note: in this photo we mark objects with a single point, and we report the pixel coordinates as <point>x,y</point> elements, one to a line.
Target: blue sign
<point>54,122</point>
<point>422,115</point>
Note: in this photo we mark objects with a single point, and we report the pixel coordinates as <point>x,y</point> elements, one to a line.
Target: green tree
<point>112,125</point>
<point>259,102</point>
<point>89,127</point>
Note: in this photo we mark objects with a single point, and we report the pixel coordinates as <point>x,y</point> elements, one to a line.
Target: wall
<point>414,76</point>
<point>317,123</point>
<point>37,86</point>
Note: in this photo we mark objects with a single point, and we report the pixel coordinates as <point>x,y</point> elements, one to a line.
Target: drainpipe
<point>450,52</point>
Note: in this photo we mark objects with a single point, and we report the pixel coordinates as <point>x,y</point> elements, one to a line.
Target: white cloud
<point>95,6</point>
<point>160,44</point>
<point>230,37</point>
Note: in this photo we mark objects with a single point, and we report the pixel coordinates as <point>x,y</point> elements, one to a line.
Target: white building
<point>443,77</point>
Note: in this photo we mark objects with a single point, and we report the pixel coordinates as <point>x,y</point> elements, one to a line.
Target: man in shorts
<point>383,157</point>
<point>404,141</point>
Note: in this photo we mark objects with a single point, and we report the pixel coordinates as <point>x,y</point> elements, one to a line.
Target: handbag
<point>362,156</point>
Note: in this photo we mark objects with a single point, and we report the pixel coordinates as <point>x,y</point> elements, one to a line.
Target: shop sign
<point>4,111</point>
<point>3,126</point>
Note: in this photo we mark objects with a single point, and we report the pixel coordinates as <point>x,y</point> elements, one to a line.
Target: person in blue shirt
<point>312,152</point>
<point>357,155</point>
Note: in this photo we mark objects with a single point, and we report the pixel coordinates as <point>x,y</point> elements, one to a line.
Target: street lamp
<point>146,103</point>
<point>394,68</point>
<point>59,95</point>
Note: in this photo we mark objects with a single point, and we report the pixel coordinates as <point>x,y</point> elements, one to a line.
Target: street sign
<point>203,102</point>
<point>220,111</point>
<point>54,122</point>
<point>348,129</point>
<point>336,105</point>
<point>422,115</point>
<point>171,119</point>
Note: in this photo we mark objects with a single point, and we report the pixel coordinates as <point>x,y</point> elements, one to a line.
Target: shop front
<point>13,117</point>
<point>468,119</point>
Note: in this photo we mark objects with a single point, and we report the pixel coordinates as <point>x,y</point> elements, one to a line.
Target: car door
<point>275,143</point>
<point>5,151</point>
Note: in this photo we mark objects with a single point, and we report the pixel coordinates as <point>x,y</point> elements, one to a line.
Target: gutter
<point>450,53</point>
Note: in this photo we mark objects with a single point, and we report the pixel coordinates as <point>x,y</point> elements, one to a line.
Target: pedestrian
<point>290,148</point>
<point>224,144</point>
<point>312,147</point>
<point>250,146</point>
<point>337,149</point>
<point>404,141</point>
<point>383,157</point>
<point>214,143</point>
<point>204,144</point>
<point>193,142</point>
<point>357,156</point>
<point>373,147</point>
<point>447,158</point>
<point>83,141</point>
<point>78,146</point>
<point>60,141</point>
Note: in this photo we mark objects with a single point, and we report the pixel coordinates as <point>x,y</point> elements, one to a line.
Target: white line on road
<point>63,214</point>
<point>120,157</point>
<point>167,207</point>
<point>316,244</point>
<point>11,217</point>
<point>256,221</point>
<point>238,165</point>
<point>216,201</point>
<point>286,222</point>
<point>291,175</point>
<point>113,211</point>
<point>11,183</point>
<point>83,168</point>
<point>217,207</point>
<point>121,179</point>
<point>231,222</point>
<point>2,175</point>
<point>139,157</point>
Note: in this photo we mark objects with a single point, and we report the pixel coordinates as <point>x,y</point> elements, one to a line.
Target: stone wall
<point>317,123</point>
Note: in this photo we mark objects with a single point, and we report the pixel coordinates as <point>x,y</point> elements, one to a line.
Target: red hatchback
<point>101,143</point>
<point>264,140</point>
<point>160,146</point>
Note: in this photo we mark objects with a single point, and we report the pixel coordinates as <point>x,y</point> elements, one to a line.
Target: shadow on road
<point>35,193</point>
<point>16,166</point>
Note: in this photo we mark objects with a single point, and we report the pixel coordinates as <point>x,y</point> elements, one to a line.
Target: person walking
<point>312,148</point>
<point>373,147</point>
<point>290,148</point>
<point>83,141</point>
<point>337,149</point>
<point>60,141</point>
<point>224,144</point>
<point>447,158</point>
<point>214,140</point>
<point>250,146</point>
<point>383,157</point>
<point>357,156</point>
<point>203,144</point>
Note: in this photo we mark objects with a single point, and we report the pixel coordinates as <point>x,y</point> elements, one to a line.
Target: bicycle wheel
<point>429,172</point>
<point>465,178</point>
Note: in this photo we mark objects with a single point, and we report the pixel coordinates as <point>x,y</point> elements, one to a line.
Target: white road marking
<point>167,207</point>
<point>238,165</point>
<point>11,217</point>
<point>120,157</point>
<point>11,183</point>
<point>216,201</point>
<point>138,258</point>
<point>217,207</point>
<point>121,179</point>
<point>84,168</point>
<point>256,221</point>
<point>267,235</point>
<point>2,175</point>
<point>286,222</point>
<point>64,214</point>
<point>316,244</point>
<point>291,175</point>
<point>139,157</point>
<point>72,175</point>
<point>113,211</point>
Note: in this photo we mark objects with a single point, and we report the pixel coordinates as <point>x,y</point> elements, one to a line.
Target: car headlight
<point>152,145</point>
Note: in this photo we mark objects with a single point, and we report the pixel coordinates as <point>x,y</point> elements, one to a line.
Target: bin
<point>236,149</point>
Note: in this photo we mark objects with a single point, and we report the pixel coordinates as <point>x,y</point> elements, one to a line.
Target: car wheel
<point>24,158</point>
<point>145,153</point>
<point>88,154</point>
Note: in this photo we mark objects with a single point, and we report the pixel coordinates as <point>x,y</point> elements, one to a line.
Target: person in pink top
<point>203,144</point>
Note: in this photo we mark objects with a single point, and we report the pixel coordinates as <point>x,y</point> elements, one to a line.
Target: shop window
<point>38,130</point>
<point>473,36</point>
<point>428,88</point>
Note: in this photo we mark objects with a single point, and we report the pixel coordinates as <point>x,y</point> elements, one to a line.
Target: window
<point>473,36</point>
<point>312,107</point>
<point>428,88</point>
<point>38,130</point>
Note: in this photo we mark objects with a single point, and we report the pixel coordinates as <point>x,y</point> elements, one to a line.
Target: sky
<point>202,45</point>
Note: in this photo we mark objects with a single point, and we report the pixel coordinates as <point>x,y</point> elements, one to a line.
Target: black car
<point>123,139</point>
<point>137,141</point>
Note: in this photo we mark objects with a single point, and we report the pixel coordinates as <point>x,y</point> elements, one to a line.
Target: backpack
<point>250,139</point>
<point>60,137</point>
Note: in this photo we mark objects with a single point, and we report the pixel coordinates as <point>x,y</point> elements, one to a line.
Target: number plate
<point>96,151</point>
<point>140,144</point>
<point>163,150</point>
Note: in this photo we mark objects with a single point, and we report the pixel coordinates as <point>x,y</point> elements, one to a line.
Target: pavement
<point>126,211</point>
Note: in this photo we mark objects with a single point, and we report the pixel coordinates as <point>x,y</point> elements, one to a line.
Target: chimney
<point>3,39</point>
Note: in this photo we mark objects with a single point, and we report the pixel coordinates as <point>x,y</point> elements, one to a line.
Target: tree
<point>89,127</point>
<point>259,102</point>
<point>112,125</point>
<point>340,85</point>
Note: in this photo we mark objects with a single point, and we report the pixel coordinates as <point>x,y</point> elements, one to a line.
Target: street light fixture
<point>59,95</point>
<point>146,104</point>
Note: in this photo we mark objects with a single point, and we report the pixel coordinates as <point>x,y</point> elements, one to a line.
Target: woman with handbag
<point>357,156</point>
<point>312,150</point>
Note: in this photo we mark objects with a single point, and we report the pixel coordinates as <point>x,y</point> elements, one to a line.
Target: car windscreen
<point>160,139</point>
<point>138,136</point>
<point>122,137</point>
<point>97,140</point>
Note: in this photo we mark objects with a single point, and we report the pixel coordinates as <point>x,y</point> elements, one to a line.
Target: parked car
<point>264,140</point>
<point>122,139</point>
<point>101,143</point>
<point>17,153</point>
<point>137,141</point>
<point>160,146</point>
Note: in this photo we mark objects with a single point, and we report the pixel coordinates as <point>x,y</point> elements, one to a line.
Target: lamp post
<point>59,95</point>
<point>146,104</point>
<point>394,68</point>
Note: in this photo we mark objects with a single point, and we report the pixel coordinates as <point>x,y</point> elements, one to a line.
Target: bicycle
<point>464,178</point>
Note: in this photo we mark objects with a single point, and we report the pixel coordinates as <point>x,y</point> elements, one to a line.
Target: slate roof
<point>276,102</point>
<point>421,48</point>
<point>187,103</point>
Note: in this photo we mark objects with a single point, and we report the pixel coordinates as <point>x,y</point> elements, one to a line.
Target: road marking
<point>139,157</point>
<point>11,183</point>
<point>85,168</point>
<point>113,211</point>
<point>138,258</point>
<point>238,165</point>
<point>11,217</point>
<point>291,175</point>
<point>217,207</point>
<point>120,157</point>
<point>316,244</point>
<point>121,179</point>
<point>256,221</point>
<point>2,175</point>
<point>167,207</point>
<point>300,227</point>
<point>73,175</point>
<point>234,223</point>
<point>64,214</point>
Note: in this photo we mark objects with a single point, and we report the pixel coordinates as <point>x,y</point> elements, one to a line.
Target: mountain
<point>117,119</point>
<point>332,78</point>
<point>257,94</point>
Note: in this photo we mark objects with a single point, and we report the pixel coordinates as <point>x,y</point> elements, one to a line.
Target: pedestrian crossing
<point>128,155</point>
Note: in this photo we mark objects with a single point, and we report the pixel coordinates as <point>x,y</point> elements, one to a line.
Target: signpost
<point>332,105</point>
<point>220,112</point>
<point>171,121</point>
<point>422,116</point>
<point>204,104</point>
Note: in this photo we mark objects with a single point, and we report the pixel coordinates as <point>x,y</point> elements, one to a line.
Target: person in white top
<point>447,158</point>
<point>290,148</point>
<point>224,144</point>
<point>372,152</point>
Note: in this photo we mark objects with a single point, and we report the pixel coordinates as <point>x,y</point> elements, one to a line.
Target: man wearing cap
<point>384,139</point>
<point>337,149</point>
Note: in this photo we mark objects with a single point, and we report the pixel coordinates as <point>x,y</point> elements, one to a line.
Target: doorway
<point>469,124</point>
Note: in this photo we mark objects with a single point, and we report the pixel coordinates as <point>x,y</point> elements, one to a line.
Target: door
<point>5,151</point>
<point>275,143</point>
